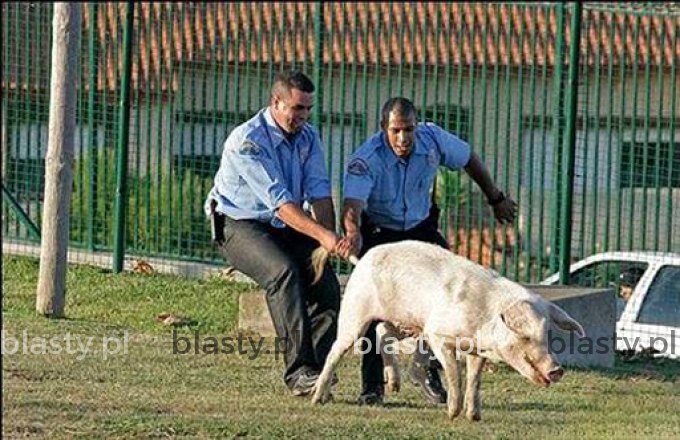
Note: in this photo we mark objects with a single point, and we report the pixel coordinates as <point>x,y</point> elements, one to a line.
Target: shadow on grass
<point>643,366</point>
<point>100,326</point>
<point>388,404</point>
<point>539,406</point>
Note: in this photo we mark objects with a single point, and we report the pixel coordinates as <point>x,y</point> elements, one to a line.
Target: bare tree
<point>59,160</point>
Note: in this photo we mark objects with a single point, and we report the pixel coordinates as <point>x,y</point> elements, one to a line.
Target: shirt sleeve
<point>315,182</point>
<point>261,173</point>
<point>359,180</point>
<point>455,152</point>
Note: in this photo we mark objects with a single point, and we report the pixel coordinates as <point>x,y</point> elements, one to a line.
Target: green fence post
<point>569,148</point>
<point>122,143</point>
<point>91,99</point>
<point>318,63</point>
<point>557,123</point>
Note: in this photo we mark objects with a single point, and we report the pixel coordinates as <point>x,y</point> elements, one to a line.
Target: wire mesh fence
<point>591,154</point>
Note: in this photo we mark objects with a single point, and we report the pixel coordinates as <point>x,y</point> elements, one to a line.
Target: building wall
<point>497,106</point>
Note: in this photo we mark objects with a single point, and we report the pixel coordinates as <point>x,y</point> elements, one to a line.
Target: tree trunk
<point>59,160</point>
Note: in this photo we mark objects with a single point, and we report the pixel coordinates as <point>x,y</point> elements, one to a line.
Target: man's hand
<point>344,248</point>
<point>329,240</point>
<point>349,245</point>
<point>505,211</point>
<point>297,219</point>
<point>356,243</point>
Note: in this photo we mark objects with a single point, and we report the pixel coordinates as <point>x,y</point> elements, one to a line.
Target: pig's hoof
<point>393,386</point>
<point>321,398</point>
<point>453,413</point>
<point>393,380</point>
<point>474,416</point>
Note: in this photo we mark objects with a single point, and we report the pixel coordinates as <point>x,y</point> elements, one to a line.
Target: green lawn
<point>151,392</point>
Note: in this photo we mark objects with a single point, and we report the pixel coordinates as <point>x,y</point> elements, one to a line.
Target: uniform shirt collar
<point>275,131</point>
<point>388,155</point>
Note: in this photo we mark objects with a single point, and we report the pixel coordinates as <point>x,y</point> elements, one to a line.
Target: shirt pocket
<point>387,190</point>
<point>425,180</point>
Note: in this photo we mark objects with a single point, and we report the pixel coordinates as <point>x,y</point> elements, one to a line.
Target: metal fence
<point>573,108</point>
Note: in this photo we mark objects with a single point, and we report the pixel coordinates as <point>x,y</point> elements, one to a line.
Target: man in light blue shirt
<point>387,199</point>
<point>271,165</point>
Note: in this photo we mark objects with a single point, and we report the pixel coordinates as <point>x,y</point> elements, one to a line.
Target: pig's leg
<point>446,354</point>
<point>352,324</point>
<point>473,408</point>
<point>392,375</point>
<point>357,311</point>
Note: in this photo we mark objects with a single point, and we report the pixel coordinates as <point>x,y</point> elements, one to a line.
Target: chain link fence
<point>582,132</point>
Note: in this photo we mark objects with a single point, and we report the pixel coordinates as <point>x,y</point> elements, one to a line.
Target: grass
<point>151,392</point>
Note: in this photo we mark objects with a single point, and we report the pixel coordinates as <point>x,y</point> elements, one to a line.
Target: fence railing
<point>573,108</point>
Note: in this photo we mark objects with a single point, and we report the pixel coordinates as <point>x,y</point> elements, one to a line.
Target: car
<point>647,288</point>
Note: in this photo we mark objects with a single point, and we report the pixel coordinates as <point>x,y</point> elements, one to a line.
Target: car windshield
<point>662,302</point>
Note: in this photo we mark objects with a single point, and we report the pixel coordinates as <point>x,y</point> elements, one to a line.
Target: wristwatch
<point>499,199</point>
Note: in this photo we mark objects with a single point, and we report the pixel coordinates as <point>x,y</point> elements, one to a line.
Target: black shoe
<point>429,382</point>
<point>304,384</point>
<point>372,397</point>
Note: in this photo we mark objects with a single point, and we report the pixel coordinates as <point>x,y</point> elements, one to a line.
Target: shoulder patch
<point>358,167</point>
<point>249,148</point>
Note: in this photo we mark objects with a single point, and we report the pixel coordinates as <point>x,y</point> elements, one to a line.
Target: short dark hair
<point>630,277</point>
<point>284,82</point>
<point>400,106</point>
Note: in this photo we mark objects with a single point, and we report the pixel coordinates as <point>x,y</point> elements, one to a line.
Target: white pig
<point>461,307</point>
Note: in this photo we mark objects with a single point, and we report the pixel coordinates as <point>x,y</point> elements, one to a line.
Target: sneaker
<point>304,384</point>
<point>372,397</point>
<point>427,379</point>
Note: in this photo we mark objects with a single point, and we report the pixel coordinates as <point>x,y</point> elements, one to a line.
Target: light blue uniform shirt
<point>261,170</point>
<point>397,191</point>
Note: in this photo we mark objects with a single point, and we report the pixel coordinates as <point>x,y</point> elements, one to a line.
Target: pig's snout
<point>555,375</point>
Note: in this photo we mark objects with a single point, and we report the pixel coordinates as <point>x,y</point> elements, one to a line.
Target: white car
<point>649,319</point>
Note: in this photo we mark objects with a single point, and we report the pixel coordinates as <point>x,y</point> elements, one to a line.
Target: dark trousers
<point>279,261</point>
<point>427,231</point>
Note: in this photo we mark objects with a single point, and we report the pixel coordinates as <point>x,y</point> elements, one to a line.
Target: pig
<point>459,307</point>
<point>388,335</point>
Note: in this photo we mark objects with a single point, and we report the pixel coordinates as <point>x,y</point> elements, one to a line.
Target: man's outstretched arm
<point>504,208</point>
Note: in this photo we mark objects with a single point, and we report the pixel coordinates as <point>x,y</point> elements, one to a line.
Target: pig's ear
<point>565,322</point>
<point>519,317</point>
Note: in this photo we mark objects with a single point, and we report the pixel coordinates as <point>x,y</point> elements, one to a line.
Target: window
<point>341,135</point>
<point>203,165</point>
<point>636,173</point>
<point>451,190</point>
<point>455,119</point>
<point>199,139</point>
<point>621,275</point>
<point>662,303</point>
<point>604,273</point>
